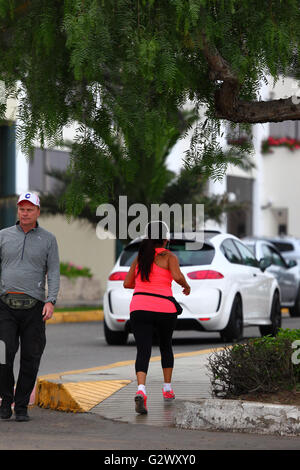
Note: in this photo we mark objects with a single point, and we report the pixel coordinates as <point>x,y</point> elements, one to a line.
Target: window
<point>129,254</point>
<point>266,252</point>
<point>285,129</point>
<point>230,252</point>
<point>273,256</point>
<point>247,257</point>
<point>238,134</point>
<point>277,258</point>
<point>185,257</point>
<point>192,257</point>
<point>283,246</point>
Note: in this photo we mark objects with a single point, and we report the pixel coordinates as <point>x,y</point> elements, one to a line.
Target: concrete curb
<point>239,416</point>
<point>87,316</point>
<point>76,317</point>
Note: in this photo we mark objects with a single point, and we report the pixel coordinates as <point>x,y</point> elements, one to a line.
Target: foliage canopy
<point>123,70</point>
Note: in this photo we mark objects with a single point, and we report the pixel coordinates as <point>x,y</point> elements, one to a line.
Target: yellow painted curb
<point>77,397</point>
<point>73,317</point>
<point>89,316</point>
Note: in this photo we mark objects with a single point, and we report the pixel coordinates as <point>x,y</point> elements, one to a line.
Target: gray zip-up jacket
<point>25,261</point>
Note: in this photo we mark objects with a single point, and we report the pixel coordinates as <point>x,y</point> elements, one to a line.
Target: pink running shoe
<point>141,403</point>
<point>168,395</point>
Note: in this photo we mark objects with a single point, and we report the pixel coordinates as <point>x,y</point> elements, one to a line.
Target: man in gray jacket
<point>28,256</point>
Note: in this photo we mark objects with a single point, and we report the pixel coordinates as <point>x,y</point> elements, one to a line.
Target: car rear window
<point>283,246</point>
<point>129,254</point>
<point>185,257</point>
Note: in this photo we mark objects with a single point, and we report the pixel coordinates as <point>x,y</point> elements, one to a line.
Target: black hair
<point>156,234</point>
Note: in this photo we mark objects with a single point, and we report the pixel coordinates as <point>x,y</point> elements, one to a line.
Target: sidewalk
<point>109,391</point>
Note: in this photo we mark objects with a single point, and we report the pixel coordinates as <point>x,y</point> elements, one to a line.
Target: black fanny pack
<point>172,299</point>
<point>19,301</point>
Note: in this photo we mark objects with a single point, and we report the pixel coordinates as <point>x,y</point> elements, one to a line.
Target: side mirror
<point>264,263</point>
<point>292,263</point>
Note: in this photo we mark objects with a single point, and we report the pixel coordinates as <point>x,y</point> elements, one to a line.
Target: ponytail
<point>146,258</point>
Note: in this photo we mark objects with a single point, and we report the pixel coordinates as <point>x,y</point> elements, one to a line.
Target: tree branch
<point>230,107</point>
<point>260,111</point>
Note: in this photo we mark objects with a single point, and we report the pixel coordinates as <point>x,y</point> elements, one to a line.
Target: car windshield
<point>185,257</point>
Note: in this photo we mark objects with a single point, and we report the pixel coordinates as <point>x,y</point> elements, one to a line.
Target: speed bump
<point>75,396</point>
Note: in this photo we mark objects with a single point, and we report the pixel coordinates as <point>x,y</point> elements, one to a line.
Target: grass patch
<point>78,309</point>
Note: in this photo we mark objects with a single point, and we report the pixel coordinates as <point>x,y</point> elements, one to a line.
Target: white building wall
<point>78,244</point>
<point>279,177</point>
<point>281,189</point>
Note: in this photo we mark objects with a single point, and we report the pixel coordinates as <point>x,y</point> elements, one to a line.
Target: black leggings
<point>143,325</point>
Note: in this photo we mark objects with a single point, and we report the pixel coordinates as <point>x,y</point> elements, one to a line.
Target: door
<point>239,274</point>
<point>265,251</point>
<point>258,282</point>
<point>288,282</point>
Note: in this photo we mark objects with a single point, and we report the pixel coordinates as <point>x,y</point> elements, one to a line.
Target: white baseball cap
<point>30,197</point>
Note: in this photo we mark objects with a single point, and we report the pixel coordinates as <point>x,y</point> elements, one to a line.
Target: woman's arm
<point>129,281</point>
<point>177,274</point>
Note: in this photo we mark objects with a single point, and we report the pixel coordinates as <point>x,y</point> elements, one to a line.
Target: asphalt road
<point>52,430</point>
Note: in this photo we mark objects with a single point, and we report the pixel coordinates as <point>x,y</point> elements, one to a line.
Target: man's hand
<point>48,311</point>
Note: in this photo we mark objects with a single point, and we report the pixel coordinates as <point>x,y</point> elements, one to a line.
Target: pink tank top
<point>160,281</point>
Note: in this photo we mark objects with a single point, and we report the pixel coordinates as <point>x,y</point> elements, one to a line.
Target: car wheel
<point>295,310</point>
<point>234,328</point>
<point>115,337</point>
<point>275,319</point>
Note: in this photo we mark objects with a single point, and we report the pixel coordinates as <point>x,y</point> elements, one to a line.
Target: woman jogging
<point>152,272</point>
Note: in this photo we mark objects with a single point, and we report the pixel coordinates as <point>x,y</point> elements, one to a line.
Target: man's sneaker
<point>168,395</point>
<point>141,403</point>
<point>5,411</point>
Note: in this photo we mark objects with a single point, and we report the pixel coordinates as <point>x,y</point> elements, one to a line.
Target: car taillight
<point>117,276</point>
<point>205,274</point>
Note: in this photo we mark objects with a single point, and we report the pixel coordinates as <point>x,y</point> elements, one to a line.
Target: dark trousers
<point>27,329</point>
<point>143,325</point>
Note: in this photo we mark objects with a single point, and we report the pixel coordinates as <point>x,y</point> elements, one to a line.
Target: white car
<point>229,290</point>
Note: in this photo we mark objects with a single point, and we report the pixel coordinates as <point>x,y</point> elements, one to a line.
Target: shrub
<point>258,365</point>
<point>72,271</point>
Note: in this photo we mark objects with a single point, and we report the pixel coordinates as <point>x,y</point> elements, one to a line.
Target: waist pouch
<point>172,299</point>
<point>19,301</point>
